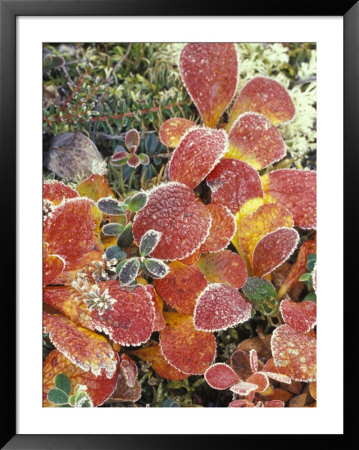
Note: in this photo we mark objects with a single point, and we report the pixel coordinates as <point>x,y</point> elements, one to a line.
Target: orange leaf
<point>264,220</point>
<point>192,259</point>
<point>181,287</point>
<point>174,210</point>
<point>295,190</point>
<point>153,355</point>
<point>222,229</point>
<point>264,96</point>
<point>254,139</point>
<point>233,182</point>
<point>220,307</point>
<point>209,72</point>
<point>273,249</point>
<point>260,379</point>
<point>172,131</point>
<point>223,267</point>
<point>188,350</point>
<point>53,265</point>
<point>95,187</point>
<point>294,353</point>
<point>99,388</point>
<point>198,152</point>
<point>84,348</point>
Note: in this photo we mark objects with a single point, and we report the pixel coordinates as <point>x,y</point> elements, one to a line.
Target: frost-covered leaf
<point>260,379</point>
<point>149,241</point>
<point>181,287</point>
<point>185,348</point>
<point>120,158</point>
<point>95,187</point>
<point>294,353</point>
<point>128,273</point>
<point>115,252</point>
<point>315,278</point>
<point>224,266</point>
<point>154,355</point>
<point>125,393</point>
<point>63,382</point>
<point>233,183</point>
<point>240,363</point>
<point>155,268</point>
<point>241,404</point>
<point>84,348</point>
<point>210,74</point>
<point>272,372</point>
<point>220,307</point>
<point>132,139</point>
<point>145,160</point>
<point>138,201</point>
<point>191,259</point>
<point>99,388</point>
<point>57,397</point>
<point>72,232</point>
<point>128,369</point>
<point>264,220</point>
<point>274,404</point>
<point>196,155</point>
<point>222,229</point>
<point>273,249</point>
<point>134,161</point>
<point>220,376</point>
<point>110,206</point>
<point>174,210</point>
<point>172,131</point>
<point>302,316</point>
<point>125,239</point>
<point>295,190</point>
<point>159,321</point>
<point>53,266</point>
<point>253,358</point>
<point>264,96</point>
<point>254,139</point>
<point>243,388</point>
<point>56,191</point>
<point>262,295</point>
<point>112,229</point>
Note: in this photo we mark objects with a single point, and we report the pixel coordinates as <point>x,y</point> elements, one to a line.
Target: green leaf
<point>311,296</point>
<point>311,260</point>
<point>138,201</point>
<point>110,206</point>
<point>115,252</point>
<point>155,268</point>
<point>126,237</point>
<point>262,295</point>
<point>305,277</point>
<point>129,271</point>
<point>150,143</point>
<point>119,266</point>
<point>57,396</point>
<point>112,229</point>
<point>149,242</point>
<point>170,403</point>
<point>144,159</point>
<point>63,382</point>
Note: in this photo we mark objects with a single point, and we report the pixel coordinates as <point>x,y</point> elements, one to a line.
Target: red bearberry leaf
<point>295,190</point>
<point>185,348</point>
<point>241,404</point>
<point>131,320</point>
<point>128,370</point>
<point>172,131</point>
<point>274,404</point>
<point>294,353</point>
<point>174,210</point>
<point>233,182</point>
<point>192,259</point>
<point>99,388</point>
<point>197,154</point>
<point>72,231</point>
<point>299,267</point>
<point>181,287</point>
<point>125,393</point>
<point>57,191</point>
<point>260,379</point>
<point>223,267</point>
<point>153,355</point>
<point>254,226</point>
<point>159,321</point>
<point>220,376</point>
<point>264,96</point>
<point>220,307</point>
<point>253,358</point>
<point>301,316</point>
<point>273,249</point>
<point>95,187</point>
<point>65,299</point>
<point>210,74</point>
<point>132,140</point>
<point>53,265</point>
<point>222,229</point>
<point>134,161</point>
<point>254,139</point>
<point>84,348</point>
<point>243,388</point>
<point>272,372</point>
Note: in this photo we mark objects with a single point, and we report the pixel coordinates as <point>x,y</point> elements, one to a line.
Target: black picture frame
<point>9,11</point>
